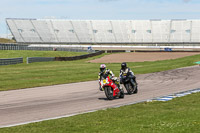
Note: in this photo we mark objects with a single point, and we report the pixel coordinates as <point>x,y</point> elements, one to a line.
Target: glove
<point>114,78</point>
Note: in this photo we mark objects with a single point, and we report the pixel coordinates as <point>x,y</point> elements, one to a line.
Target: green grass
<point>30,53</point>
<point>4,40</point>
<point>59,72</point>
<point>180,115</point>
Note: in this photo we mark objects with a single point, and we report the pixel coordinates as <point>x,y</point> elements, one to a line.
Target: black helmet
<point>123,65</point>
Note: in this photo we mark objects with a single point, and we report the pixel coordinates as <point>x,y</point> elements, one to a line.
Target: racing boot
<point>120,87</point>
<point>100,88</point>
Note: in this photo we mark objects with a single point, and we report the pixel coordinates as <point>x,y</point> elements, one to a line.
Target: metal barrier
<point>10,61</point>
<point>13,47</point>
<point>39,59</point>
<point>78,57</point>
<point>41,48</point>
<point>44,59</point>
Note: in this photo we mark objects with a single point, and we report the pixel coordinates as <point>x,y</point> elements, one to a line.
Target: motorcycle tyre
<point>128,89</point>
<point>121,94</point>
<point>136,90</point>
<point>109,95</point>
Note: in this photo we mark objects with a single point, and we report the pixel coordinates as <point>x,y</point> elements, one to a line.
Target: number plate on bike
<point>104,81</point>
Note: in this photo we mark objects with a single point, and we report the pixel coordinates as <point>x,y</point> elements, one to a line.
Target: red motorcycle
<point>110,88</point>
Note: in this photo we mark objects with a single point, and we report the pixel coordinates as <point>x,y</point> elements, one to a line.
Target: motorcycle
<point>130,88</point>
<point>110,88</point>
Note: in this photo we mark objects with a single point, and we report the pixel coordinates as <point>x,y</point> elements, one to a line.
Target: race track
<point>33,104</point>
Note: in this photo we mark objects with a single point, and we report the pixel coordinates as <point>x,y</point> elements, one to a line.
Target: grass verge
<point>59,72</point>
<point>176,116</point>
<point>5,40</point>
<point>30,53</point>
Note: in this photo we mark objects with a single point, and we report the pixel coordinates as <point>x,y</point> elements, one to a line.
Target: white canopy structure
<point>104,31</point>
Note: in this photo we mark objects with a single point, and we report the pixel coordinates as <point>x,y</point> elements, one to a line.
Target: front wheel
<point>109,93</point>
<point>121,94</point>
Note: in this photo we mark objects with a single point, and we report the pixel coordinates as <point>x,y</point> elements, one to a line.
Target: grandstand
<point>52,31</point>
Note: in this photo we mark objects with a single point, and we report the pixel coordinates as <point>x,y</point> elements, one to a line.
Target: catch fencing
<point>10,61</point>
<point>38,48</point>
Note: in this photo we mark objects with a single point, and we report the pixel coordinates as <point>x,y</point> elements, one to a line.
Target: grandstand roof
<point>104,31</point>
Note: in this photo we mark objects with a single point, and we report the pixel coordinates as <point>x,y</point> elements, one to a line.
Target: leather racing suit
<point>127,72</point>
<point>112,76</point>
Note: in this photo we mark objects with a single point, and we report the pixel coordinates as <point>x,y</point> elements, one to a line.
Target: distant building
<point>105,31</point>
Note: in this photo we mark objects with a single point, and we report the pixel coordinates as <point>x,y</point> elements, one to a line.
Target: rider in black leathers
<point>125,71</point>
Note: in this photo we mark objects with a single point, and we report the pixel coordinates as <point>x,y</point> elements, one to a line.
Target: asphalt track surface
<point>33,104</point>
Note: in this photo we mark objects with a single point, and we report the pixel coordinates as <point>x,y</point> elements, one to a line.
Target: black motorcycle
<point>131,88</point>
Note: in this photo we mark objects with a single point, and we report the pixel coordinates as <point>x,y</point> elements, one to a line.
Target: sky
<point>97,10</point>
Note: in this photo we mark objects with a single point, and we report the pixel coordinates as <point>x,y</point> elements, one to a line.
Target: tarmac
<point>50,102</point>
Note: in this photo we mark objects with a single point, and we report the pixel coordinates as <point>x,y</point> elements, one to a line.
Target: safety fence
<point>78,57</point>
<point>39,59</point>
<point>45,59</point>
<point>40,48</point>
<point>10,61</point>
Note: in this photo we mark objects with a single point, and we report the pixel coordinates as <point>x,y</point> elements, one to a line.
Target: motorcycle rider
<point>104,70</point>
<point>127,71</point>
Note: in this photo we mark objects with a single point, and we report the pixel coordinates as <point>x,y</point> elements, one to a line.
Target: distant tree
<point>13,38</point>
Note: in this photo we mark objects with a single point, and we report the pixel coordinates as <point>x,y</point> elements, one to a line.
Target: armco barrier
<point>78,57</point>
<point>39,59</point>
<point>44,59</point>
<point>10,61</point>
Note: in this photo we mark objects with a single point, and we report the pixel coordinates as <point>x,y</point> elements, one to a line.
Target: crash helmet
<point>123,66</point>
<point>102,67</point>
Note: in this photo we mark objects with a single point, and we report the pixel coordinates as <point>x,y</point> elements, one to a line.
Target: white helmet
<point>102,67</point>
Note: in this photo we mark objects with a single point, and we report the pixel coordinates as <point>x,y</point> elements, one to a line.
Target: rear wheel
<point>109,93</point>
<point>136,89</point>
<point>130,90</point>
